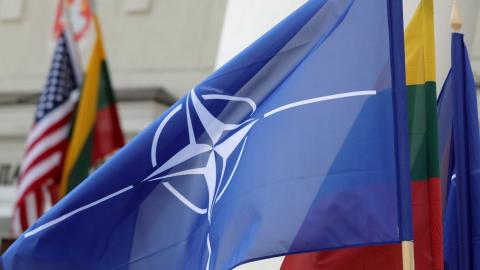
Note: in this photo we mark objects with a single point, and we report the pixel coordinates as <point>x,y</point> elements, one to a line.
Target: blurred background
<point>157,51</point>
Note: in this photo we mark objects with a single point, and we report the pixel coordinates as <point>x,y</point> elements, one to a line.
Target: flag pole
<point>408,260</point>
<point>455,19</point>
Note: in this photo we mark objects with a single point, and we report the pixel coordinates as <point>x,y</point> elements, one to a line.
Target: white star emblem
<point>236,135</point>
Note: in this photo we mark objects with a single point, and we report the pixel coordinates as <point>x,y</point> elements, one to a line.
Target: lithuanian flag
<point>96,131</point>
<point>424,168</point>
<point>424,159</point>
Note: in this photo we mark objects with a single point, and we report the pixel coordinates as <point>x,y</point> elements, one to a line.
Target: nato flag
<point>460,154</point>
<point>297,144</point>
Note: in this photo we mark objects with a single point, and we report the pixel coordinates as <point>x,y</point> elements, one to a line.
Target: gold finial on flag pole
<point>455,19</point>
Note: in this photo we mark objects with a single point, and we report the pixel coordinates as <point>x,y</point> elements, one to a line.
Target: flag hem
<point>402,146</point>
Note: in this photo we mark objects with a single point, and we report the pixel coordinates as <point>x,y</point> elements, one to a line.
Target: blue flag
<point>460,154</point>
<point>297,144</point>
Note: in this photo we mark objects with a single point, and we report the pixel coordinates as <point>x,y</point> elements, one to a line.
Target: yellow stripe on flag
<point>86,113</point>
<point>420,45</point>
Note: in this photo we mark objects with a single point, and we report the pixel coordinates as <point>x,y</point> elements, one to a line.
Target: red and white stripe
<point>41,167</point>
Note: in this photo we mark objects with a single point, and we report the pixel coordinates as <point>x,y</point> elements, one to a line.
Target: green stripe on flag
<point>82,166</point>
<point>105,90</point>
<point>422,110</point>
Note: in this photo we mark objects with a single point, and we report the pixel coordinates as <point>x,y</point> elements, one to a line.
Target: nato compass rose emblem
<point>224,140</point>
<point>212,156</point>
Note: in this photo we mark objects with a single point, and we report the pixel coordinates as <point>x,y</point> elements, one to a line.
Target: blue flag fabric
<point>297,144</point>
<point>460,151</point>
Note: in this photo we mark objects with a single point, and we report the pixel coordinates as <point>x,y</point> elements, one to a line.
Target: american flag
<point>41,167</point>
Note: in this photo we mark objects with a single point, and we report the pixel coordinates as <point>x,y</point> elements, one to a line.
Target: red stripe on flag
<point>54,190</point>
<point>37,185</point>
<point>39,201</point>
<point>55,126</point>
<point>427,224</point>
<point>60,147</point>
<point>356,258</point>
<point>23,217</point>
<point>108,135</point>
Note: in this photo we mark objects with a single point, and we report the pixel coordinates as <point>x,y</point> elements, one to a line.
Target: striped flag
<point>41,167</point>
<point>424,158</point>
<point>424,164</point>
<point>96,127</point>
